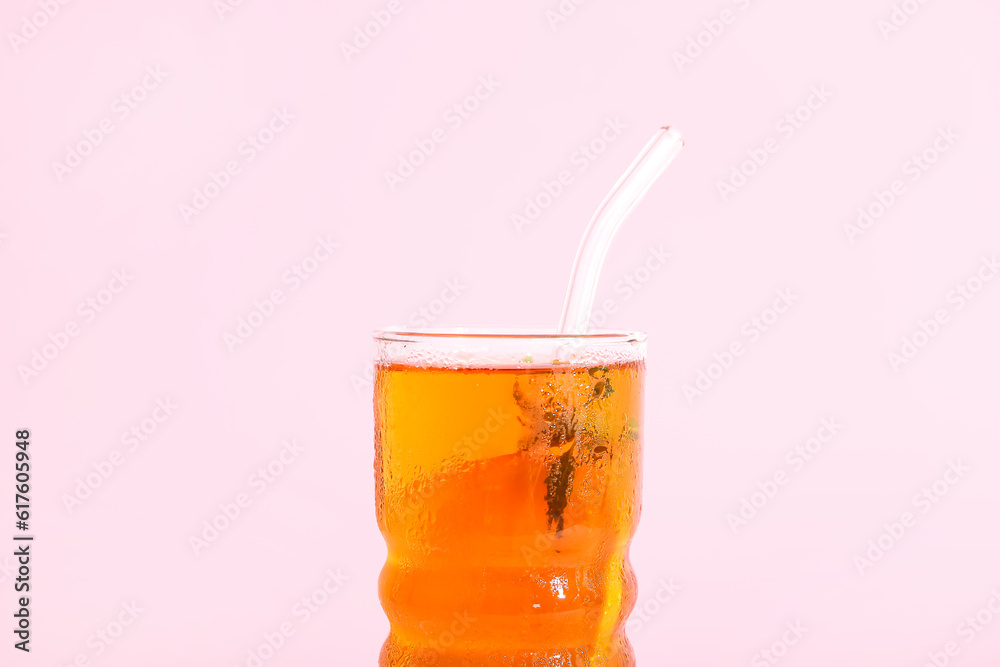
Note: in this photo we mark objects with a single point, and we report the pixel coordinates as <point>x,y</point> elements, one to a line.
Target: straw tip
<point>669,128</point>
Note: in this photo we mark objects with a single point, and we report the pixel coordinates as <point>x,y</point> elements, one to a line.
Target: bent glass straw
<point>629,191</point>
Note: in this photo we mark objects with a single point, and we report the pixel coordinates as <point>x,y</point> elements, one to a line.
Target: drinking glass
<point>508,481</point>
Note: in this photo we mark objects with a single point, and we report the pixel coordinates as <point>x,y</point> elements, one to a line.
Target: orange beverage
<point>507,491</point>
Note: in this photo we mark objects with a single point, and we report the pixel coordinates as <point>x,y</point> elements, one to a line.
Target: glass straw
<point>630,189</point>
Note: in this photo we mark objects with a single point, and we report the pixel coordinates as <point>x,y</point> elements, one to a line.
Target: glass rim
<point>428,334</point>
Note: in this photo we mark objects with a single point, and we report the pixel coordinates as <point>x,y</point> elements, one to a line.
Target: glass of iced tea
<point>507,476</point>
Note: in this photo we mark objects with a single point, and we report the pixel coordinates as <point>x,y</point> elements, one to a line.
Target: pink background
<point>300,375</point>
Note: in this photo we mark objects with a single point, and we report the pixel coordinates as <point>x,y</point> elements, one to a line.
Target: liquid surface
<point>507,499</point>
